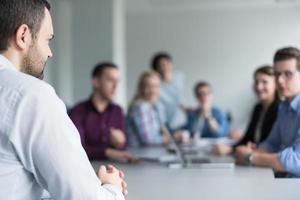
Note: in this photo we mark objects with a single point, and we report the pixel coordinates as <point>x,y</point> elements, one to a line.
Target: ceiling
<point>146,5</point>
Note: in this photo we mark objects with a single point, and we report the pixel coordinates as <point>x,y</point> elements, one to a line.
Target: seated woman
<point>264,112</point>
<point>207,120</point>
<point>145,121</point>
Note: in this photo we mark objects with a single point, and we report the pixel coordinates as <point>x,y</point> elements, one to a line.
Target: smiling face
<point>38,52</point>
<point>264,87</point>
<point>151,88</point>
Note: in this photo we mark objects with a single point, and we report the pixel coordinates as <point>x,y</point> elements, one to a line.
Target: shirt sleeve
<point>222,122</point>
<point>179,82</point>
<point>189,124</point>
<point>93,152</point>
<point>290,158</point>
<point>121,125</point>
<point>272,143</point>
<point>121,120</point>
<point>48,145</point>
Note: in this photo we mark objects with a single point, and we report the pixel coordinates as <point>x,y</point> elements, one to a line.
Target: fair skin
<point>288,84</point>
<point>288,87</point>
<point>205,98</point>
<point>105,86</point>
<point>165,69</point>
<point>30,56</point>
<point>110,174</point>
<point>151,89</point>
<point>260,157</point>
<point>265,88</point>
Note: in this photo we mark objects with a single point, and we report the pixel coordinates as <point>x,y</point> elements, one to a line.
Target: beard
<point>104,95</point>
<point>33,62</point>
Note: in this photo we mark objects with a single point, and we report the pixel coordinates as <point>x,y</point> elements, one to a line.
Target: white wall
<point>119,46</point>
<point>62,63</point>
<point>220,44</point>
<point>86,32</point>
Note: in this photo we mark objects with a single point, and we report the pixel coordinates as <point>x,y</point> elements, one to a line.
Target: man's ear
<point>94,82</point>
<point>23,37</point>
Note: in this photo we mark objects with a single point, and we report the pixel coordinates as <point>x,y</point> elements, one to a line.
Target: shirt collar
<point>4,62</point>
<point>295,103</point>
<point>93,107</point>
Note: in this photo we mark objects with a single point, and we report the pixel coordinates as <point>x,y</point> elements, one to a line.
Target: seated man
<point>99,121</point>
<point>281,150</point>
<point>207,120</point>
<point>170,90</point>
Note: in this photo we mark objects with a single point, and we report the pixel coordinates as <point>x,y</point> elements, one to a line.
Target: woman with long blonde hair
<point>145,119</point>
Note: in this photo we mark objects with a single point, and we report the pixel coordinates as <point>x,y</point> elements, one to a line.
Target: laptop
<point>190,159</point>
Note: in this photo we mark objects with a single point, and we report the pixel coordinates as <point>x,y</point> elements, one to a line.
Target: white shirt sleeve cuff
<point>115,191</point>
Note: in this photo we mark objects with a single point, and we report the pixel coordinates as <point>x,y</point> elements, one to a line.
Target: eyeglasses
<point>286,75</point>
<point>202,94</point>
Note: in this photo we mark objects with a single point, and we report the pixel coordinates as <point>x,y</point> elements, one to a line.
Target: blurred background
<point>222,42</point>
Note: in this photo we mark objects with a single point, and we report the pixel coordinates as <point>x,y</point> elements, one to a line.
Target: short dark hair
<point>157,57</point>
<point>286,54</point>
<point>265,69</point>
<point>200,84</point>
<point>100,67</point>
<point>14,13</point>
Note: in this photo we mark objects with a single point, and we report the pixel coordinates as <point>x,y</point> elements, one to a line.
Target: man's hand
<point>236,135</point>
<point>243,151</point>
<point>117,138</point>
<point>123,156</point>
<point>165,136</point>
<point>267,160</point>
<point>111,175</point>
<point>182,137</point>
<point>206,109</point>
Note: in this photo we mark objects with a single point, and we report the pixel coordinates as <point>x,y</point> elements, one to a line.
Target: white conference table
<point>154,181</point>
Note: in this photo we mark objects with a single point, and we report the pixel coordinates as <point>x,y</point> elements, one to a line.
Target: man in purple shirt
<point>99,121</point>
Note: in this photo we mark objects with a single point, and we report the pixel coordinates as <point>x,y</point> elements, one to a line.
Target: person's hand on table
<point>236,135</point>
<point>222,149</point>
<point>165,139</point>
<point>182,136</point>
<point>117,138</point>
<point>111,175</point>
<point>243,152</point>
<point>123,156</point>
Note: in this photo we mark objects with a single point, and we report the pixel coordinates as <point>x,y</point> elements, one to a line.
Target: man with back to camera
<point>281,150</point>
<point>39,145</point>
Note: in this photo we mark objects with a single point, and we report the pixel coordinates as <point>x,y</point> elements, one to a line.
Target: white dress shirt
<point>40,147</point>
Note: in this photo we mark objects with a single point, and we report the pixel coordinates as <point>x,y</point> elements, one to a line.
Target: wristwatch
<point>248,159</point>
